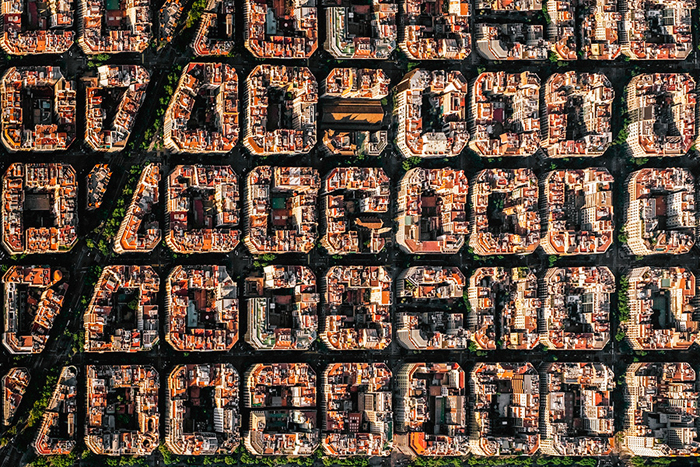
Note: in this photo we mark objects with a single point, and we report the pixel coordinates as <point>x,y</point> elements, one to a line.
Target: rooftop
<point>429,316</point>
<point>504,217</point>
<point>201,309</point>
<point>432,114</point>
<point>504,308</point>
<point>505,118</point>
<point>122,315</point>
<point>578,212</point>
<point>282,308</point>
<point>203,210</point>
<point>40,208</point>
<point>357,308</point>
<point>203,410</point>
<point>33,298</point>
<point>122,410</point>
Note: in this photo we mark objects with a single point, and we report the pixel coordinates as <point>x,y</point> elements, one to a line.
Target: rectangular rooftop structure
<point>40,208</point>
<point>203,410</point>
<point>357,410</point>
<point>283,422</point>
<point>122,416</point>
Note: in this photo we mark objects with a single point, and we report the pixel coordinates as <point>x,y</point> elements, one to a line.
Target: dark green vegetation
<point>99,229</point>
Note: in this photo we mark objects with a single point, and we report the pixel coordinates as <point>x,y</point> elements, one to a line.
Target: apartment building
<point>511,41</point>
<point>139,231</point>
<point>33,298</point>
<point>504,305</point>
<point>662,410</point>
<point>663,309</point>
<point>122,315</point>
<point>28,30</point>
<point>657,30</point>
<point>504,118</point>
<point>203,410</point>
<point>280,205</point>
<point>504,216</point>
<point>447,39</point>
<point>361,30</point>
<point>280,110</point>
<point>284,418</point>
<point>189,126</point>
<point>432,211</point>
<point>282,307</point>
<point>101,92</point>
<point>354,143</point>
<point>114,27</point>
<point>97,183</point>
<point>576,308</point>
<point>52,126</point>
<point>122,417</point>
<point>428,300</point>
<point>203,209</point>
<point>355,202</point>
<point>13,386</point>
<point>431,110</point>
<point>40,208</point>
<point>201,304</point>
<point>577,115</point>
<point>505,409</point>
<point>357,410</point>
<point>357,308</point>
<point>281,30</point>
<point>57,431</point>
<point>662,109</point>
<point>431,410</point>
<point>578,409</point>
<point>577,209</point>
<point>654,195</point>
<point>215,34</point>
